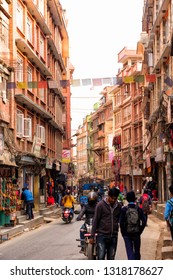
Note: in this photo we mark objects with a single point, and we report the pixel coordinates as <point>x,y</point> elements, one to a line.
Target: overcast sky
<point>98,30</point>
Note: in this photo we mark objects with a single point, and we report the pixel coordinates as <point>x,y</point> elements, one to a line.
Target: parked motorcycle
<point>67,215</point>
<point>89,250</point>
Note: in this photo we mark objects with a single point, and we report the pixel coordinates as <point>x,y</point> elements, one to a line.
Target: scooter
<point>67,215</point>
<point>89,250</point>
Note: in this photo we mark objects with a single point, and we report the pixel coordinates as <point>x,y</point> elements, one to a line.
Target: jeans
<point>106,246</point>
<point>133,245</point>
<point>29,206</point>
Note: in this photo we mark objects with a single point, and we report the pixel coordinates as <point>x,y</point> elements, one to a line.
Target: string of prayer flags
<point>168,81</point>
<point>53,84</point>
<point>21,85</point>
<point>76,83</point>
<point>151,78</point>
<point>64,83</point>
<point>97,82</point>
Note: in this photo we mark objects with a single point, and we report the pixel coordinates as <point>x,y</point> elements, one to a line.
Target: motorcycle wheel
<point>90,252</point>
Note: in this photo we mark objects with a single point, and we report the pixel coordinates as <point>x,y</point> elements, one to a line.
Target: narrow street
<point>52,241</point>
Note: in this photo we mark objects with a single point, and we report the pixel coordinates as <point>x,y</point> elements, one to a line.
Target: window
<point>29,29</point>
<point>40,132</point>
<point>19,16</point>
<point>29,74</point>
<point>3,92</point>
<point>19,69</point>
<point>4,31</point>
<point>23,125</point>
<point>41,46</point>
<point>41,6</point>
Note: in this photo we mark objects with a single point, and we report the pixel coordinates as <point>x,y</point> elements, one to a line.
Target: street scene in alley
<point>86,158</point>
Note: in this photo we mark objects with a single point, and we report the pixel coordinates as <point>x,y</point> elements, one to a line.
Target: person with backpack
<point>168,213</point>
<point>132,224</point>
<point>145,203</point>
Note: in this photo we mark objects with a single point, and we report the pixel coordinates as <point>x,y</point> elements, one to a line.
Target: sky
<point>98,30</point>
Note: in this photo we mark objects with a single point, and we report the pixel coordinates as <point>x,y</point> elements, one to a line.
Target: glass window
<point>19,69</point>
<point>19,16</point>
<point>42,46</point>
<point>29,29</point>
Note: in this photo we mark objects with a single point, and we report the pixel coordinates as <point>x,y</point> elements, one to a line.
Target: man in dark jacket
<point>105,224</point>
<point>132,236</point>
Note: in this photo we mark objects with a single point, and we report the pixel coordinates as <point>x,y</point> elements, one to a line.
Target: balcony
<point>101,134</point>
<point>30,54</point>
<point>32,106</point>
<point>32,8</point>
<point>163,57</point>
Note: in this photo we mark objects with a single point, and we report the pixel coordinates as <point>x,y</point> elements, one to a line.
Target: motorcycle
<point>67,215</point>
<point>89,250</point>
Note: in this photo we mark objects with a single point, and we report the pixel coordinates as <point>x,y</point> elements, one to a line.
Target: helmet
<point>92,197</point>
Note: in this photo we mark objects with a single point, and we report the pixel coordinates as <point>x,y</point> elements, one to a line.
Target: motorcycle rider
<point>88,210</point>
<point>68,201</point>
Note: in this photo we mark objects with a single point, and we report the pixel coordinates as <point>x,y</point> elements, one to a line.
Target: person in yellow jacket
<point>68,200</point>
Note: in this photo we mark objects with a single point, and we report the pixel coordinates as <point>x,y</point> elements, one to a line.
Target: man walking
<point>29,201</point>
<point>168,214</point>
<point>105,224</point>
<point>132,224</point>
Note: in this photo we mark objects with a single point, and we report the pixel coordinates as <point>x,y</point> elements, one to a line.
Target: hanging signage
<point>36,148</point>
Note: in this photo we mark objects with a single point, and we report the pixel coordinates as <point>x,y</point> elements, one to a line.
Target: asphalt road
<point>51,241</point>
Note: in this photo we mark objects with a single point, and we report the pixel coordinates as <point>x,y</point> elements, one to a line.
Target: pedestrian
<point>106,225</point>
<point>132,224</point>
<point>168,213</point>
<point>27,196</point>
<point>145,203</point>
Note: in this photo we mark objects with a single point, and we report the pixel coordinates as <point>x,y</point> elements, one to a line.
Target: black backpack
<point>132,219</point>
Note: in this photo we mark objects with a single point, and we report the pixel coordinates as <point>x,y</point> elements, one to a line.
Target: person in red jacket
<point>145,203</point>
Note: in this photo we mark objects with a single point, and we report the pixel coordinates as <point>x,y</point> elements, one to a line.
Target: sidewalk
<point>152,239</point>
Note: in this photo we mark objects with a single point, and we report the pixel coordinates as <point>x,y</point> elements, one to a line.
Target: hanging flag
<point>168,81</point>
<point>169,92</point>
<point>106,81</point>
<point>86,82</point>
<point>32,84</point>
<point>96,106</point>
<point>53,84</point>
<point>139,79</point>
<point>64,83</point>
<point>42,84</point>
<point>76,83</point>
<point>97,82</point>
<point>151,78</point>
<point>22,85</point>
<point>11,85</point>
<point>118,81</point>
<point>129,79</point>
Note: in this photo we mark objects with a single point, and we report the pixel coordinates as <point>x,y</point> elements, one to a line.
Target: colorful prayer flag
<point>11,85</point>
<point>42,84</point>
<point>118,81</point>
<point>168,81</point>
<point>64,83</point>
<point>139,79</point>
<point>86,82</point>
<point>32,84</point>
<point>151,78</point>
<point>53,84</point>
<point>129,79</point>
<point>97,82</point>
<point>22,85</point>
<point>76,83</point>
<point>107,81</point>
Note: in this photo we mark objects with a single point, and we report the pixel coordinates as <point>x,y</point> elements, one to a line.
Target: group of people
<point>108,215</point>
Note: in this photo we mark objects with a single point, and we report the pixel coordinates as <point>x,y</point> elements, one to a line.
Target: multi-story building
<point>157,29</point>
<point>35,73</point>
<point>127,141</point>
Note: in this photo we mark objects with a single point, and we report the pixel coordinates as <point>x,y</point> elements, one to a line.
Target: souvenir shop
<point>10,201</point>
